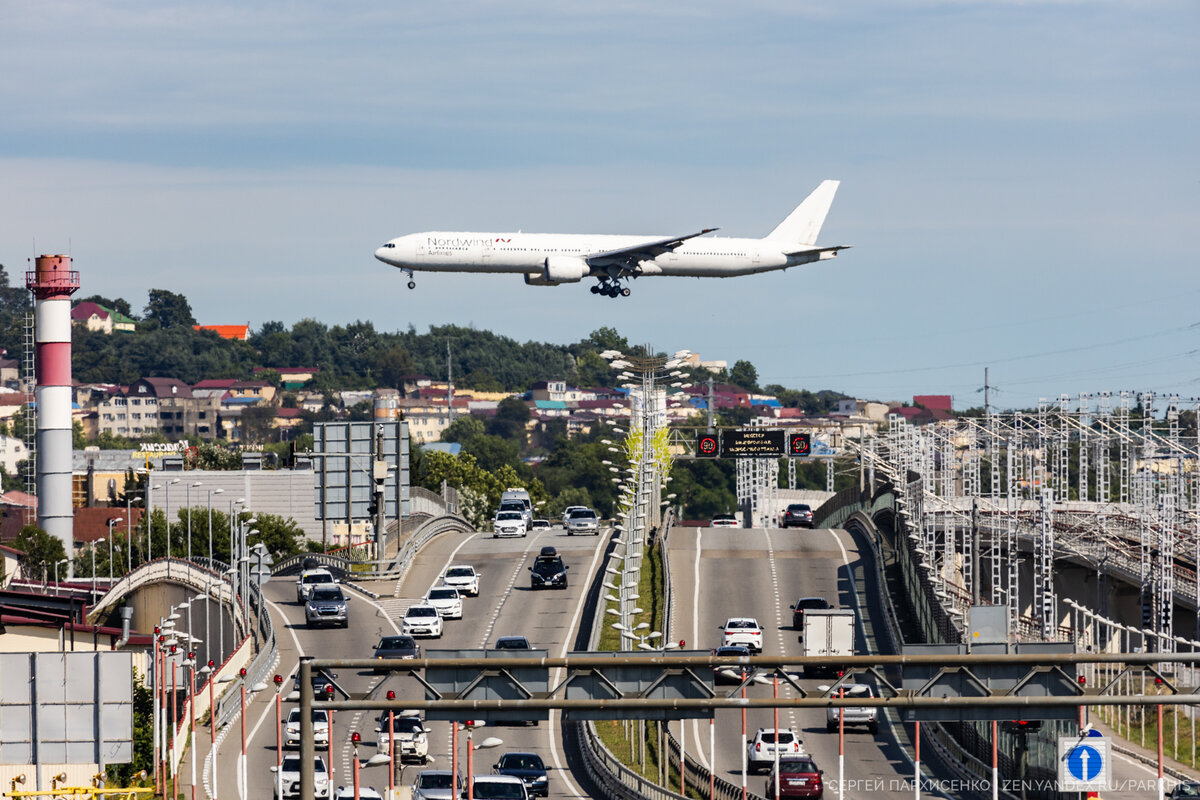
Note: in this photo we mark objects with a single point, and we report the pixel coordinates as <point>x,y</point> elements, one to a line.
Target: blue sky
<point>1020,180</point>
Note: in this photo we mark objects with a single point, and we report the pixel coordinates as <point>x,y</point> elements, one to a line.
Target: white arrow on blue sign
<point>1083,764</point>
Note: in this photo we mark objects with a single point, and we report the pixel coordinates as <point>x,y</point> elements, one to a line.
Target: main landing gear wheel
<point>625,292</point>
<point>595,288</point>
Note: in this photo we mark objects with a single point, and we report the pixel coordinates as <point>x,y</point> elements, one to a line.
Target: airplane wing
<point>642,250</point>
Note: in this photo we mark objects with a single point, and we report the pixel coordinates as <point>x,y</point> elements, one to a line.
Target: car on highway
<point>806,604</point>
<point>760,751</point>
<point>548,570</point>
<point>364,793</point>
<point>529,768</point>
<point>583,520</point>
<point>446,600</point>
<point>797,515</point>
<point>436,784</point>
<point>291,728</point>
<point>539,525</point>
<point>397,647</point>
<point>310,578</point>
<point>463,578</point>
<point>498,787</point>
<point>798,777</point>
<point>412,737</point>
<point>567,513</point>
<point>422,620</point>
<point>287,777</point>
<point>512,643</point>
<point>1185,790</point>
<point>744,631</point>
<point>320,679</point>
<point>729,674</point>
<point>853,715</point>
<point>327,605</point>
<point>520,506</point>
<point>724,521</point>
<point>509,523</point>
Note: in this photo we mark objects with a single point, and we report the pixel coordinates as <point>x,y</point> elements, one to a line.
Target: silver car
<point>583,520</point>
<point>327,605</point>
<point>857,715</point>
<point>436,784</point>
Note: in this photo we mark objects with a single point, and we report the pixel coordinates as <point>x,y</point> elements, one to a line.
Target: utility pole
<point>987,404</point>
<point>379,473</point>
<point>711,425</point>
<point>449,385</point>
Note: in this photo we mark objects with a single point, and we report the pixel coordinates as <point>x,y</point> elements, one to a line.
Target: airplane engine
<point>537,279</point>
<point>565,269</point>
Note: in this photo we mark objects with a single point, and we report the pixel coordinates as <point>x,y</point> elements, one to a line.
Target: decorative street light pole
<point>190,486</point>
<point>211,492</point>
<point>98,541</point>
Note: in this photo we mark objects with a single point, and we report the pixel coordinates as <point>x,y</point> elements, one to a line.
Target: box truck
<point>828,632</point>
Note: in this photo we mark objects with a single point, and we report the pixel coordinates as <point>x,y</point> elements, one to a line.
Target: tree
<point>41,550</point>
<point>463,430</point>
<point>256,423</point>
<point>169,310</point>
<point>392,364</point>
<point>511,416</point>
<point>744,375</point>
<point>120,305</point>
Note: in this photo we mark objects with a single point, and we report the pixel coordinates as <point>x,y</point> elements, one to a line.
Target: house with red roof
<point>234,332</point>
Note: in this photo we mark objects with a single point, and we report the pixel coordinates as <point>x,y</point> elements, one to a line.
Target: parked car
<point>397,647</point>
<point>512,643</point>
<point>446,600</point>
<point>288,777</point>
<point>857,715</point>
<point>463,578</point>
<point>436,784</point>
<point>422,620</point>
<point>729,674</point>
<point>806,604</point>
<point>498,787</point>
<point>797,515</point>
<point>548,571</point>
<point>291,728</point>
<point>798,777</point>
<point>327,605</point>
<point>310,578</point>
<point>412,737</point>
<point>744,631</point>
<point>509,523</point>
<point>583,520</point>
<point>724,521</point>
<point>529,768</point>
<point>760,751</point>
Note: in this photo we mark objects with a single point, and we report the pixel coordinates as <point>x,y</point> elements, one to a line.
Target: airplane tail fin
<point>803,225</point>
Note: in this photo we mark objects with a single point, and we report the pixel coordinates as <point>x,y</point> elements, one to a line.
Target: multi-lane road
<point>716,573</point>
<point>505,605</point>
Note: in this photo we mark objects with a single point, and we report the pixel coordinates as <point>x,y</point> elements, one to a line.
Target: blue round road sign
<point>1084,763</point>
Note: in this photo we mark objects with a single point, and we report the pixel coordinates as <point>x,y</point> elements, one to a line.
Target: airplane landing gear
<point>611,288</point>
<point>411,283</point>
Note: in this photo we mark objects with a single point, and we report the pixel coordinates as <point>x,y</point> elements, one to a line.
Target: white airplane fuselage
<point>526,253</point>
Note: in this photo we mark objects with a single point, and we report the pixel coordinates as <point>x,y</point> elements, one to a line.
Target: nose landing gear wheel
<point>412,284</point>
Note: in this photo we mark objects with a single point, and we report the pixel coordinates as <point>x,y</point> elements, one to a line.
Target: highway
<point>505,605</point>
<point>724,572</point>
<point>716,572</point>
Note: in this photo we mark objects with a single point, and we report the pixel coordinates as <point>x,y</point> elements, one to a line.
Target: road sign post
<point>1083,764</point>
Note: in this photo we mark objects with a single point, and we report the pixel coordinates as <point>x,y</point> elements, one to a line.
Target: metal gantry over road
<point>703,700</point>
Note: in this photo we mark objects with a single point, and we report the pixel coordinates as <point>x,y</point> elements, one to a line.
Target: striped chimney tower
<point>52,283</point>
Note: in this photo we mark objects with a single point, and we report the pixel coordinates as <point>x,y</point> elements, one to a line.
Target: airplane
<point>550,259</point>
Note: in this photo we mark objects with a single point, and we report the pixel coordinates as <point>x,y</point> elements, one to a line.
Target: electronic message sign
<point>753,443</point>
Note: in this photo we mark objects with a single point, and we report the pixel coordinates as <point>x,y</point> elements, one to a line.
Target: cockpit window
<point>390,244</point>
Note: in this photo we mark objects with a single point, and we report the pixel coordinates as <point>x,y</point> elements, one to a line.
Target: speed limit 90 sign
<point>707,445</point>
<point>799,444</point>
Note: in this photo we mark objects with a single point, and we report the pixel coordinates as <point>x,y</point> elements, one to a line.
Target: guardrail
<point>264,661</point>
<point>447,523</point>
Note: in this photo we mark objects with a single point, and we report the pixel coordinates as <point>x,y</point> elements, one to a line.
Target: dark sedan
<point>529,768</point>
<point>397,647</point>
<point>798,515</point>
<point>806,604</point>
<point>731,673</point>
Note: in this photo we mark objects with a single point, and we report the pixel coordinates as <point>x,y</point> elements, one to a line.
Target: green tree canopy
<point>169,310</point>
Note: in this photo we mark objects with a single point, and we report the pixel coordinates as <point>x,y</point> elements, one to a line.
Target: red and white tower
<point>52,283</point>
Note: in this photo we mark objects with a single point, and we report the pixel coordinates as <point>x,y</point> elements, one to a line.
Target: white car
<point>853,715</point>
<point>422,620</point>
<point>463,578</point>
<point>744,631</point>
<point>446,600</point>
<point>760,751</point>
<point>310,578</point>
<point>288,777</point>
<point>364,793</point>
<point>509,523</point>
<point>291,729</point>
<point>498,787</point>
<point>583,520</point>
<point>412,737</point>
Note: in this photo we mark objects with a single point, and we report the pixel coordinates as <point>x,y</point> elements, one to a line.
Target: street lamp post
<point>188,491</point>
<point>111,522</point>
<point>63,561</point>
<point>278,679</point>
<point>471,748</point>
<point>211,492</point>
<point>150,518</point>
<point>98,541</point>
